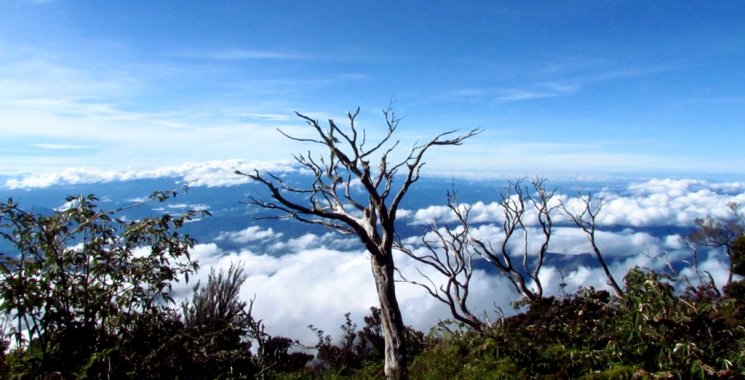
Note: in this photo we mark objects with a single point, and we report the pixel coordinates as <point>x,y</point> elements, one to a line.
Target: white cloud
<point>249,234</point>
<point>312,241</point>
<point>669,202</point>
<point>316,279</point>
<point>572,241</point>
<point>62,146</point>
<point>209,173</point>
<point>544,90</point>
<point>318,286</point>
<point>714,265</point>
<point>315,286</point>
<point>66,206</point>
<point>190,206</point>
<point>480,213</point>
<point>55,115</point>
<point>659,202</point>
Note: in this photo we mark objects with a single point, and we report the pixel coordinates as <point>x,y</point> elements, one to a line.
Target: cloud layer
<point>316,279</point>
<point>209,173</point>
<point>300,277</point>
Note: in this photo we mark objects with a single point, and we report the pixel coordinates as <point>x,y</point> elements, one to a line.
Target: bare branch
<point>514,210</point>
<point>414,163</point>
<point>448,254</point>
<point>330,202</point>
<point>586,220</point>
<point>721,232</point>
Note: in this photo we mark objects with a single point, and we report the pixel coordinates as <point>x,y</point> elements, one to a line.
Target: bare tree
<point>720,232</point>
<point>586,220</point>
<point>449,254</point>
<point>329,201</point>
<point>705,284</point>
<point>514,208</point>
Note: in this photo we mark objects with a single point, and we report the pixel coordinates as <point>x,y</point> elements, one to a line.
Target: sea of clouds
<point>316,278</point>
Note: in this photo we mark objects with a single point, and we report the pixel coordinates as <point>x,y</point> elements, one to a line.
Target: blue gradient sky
<point>560,88</point>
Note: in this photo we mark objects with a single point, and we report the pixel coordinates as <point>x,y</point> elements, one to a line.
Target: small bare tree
<point>586,219</point>
<point>329,201</point>
<point>720,232</point>
<point>514,208</point>
<point>705,284</point>
<point>449,254</point>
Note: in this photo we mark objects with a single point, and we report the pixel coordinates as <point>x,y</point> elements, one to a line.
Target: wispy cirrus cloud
<point>62,146</point>
<point>236,54</point>
<point>511,94</point>
<point>543,90</point>
<point>563,77</point>
<point>51,104</point>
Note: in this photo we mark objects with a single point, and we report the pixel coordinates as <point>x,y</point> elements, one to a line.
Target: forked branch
<point>449,254</point>
<point>586,219</point>
<point>331,202</point>
<point>525,277</point>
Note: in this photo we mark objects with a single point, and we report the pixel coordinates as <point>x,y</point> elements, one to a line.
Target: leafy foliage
<point>650,333</point>
<point>217,321</point>
<point>81,278</point>
<point>359,349</point>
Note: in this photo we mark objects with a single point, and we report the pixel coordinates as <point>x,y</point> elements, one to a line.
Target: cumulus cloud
<point>642,224</point>
<point>657,202</point>
<point>249,234</point>
<point>317,278</point>
<point>313,286</point>
<point>313,241</point>
<point>660,202</point>
<point>480,212</point>
<point>318,285</point>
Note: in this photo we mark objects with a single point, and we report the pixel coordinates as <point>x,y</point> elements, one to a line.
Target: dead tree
<point>586,220</point>
<point>720,232</point>
<point>514,208</point>
<point>329,201</point>
<point>449,254</point>
<point>705,286</point>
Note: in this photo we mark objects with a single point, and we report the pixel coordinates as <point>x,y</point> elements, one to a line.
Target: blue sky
<point>559,88</point>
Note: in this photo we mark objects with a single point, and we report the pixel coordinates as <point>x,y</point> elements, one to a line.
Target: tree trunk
<point>393,325</point>
<point>608,275</point>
